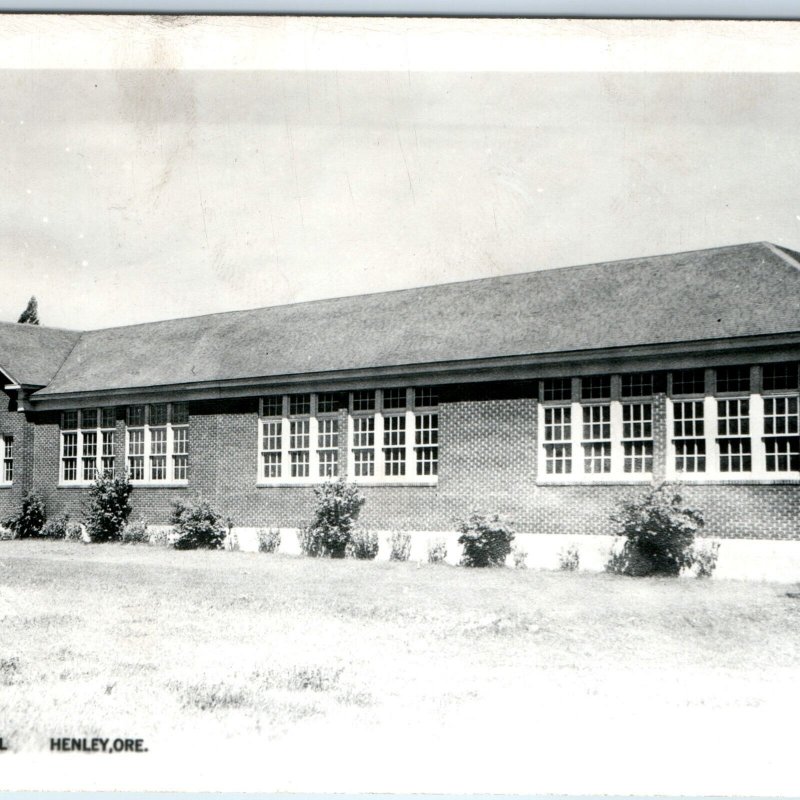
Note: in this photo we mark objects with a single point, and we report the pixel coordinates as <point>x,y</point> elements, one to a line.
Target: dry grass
<point>153,643</point>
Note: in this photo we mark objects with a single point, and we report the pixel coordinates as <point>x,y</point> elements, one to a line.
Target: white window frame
<point>410,413</point>
<point>284,429</point>
<point>345,424</point>
<point>169,454</point>
<point>97,430</point>
<point>757,437</point>
<point>7,446</point>
<point>576,404</point>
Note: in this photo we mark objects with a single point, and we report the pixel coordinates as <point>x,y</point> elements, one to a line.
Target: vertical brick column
<point>660,436</point>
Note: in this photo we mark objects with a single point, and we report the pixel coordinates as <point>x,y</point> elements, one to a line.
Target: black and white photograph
<point>399,405</point>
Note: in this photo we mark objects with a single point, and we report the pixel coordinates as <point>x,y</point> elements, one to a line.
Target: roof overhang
<point>769,348</point>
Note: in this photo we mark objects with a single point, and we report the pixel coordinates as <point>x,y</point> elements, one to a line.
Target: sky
<point>131,195</point>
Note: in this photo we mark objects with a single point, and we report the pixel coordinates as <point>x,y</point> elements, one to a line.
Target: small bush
<point>31,517</point>
<point>520,557</point>
<point>486,539</point>
<point>400,546</point>
<point>135,533</point>
<point>7,534</point>
<point>658,531</point>
<point>569,559</point>
<point>269,540</point>
<point>55,528</point>
<point>338,505</point>
<point>704,558</point>
<point>310,542</point>
<point>160,537</point>
<point>437,551</point>
<point>74,532</point>
<point>363,545</point>
<point>196,525</point>
<point>109,507</point>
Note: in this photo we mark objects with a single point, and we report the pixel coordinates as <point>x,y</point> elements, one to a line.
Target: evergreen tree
<point>30,316</point>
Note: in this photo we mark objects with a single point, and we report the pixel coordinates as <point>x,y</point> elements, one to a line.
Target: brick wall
<point>487,461</point>
<point>13,423</point>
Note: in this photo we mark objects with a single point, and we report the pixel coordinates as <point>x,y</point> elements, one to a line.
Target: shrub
<point>400,546</point>
<point>569,559</point>
<point>520,557</point>
<point>55,528</point>
<point>437,551</point>
<point>659,532</point>
<point>196,525</point>
<point>109,507</point>
<point>135,533</point>
<point>704,557</point>
<point>160,537</point>
<point>486,539</point>
<point>31,517</point>
<point>363,545</point>
<point>7,534</point>
<point>338,505</point>
<point>310,542</point>
<point>269,540</point>
<point>74,532</point>
<point>232,540</point>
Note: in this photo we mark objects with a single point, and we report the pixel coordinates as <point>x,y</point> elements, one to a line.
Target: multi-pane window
<point>389,434</point>
<point>596,439</point>
<point>328,447</point>
<point>7,456</point>
<point>88,440</point>
<point>363,447</point>
<point>733,430</point>
<point>780,377</point>
<point>596,387</point>
<point>427,443</point>
<point>689,436</point>
<point>689,381</point>
<point>157,442</point>
<point>637,384</point>
<point>637,437</point>
<point>556,390</point>
<point>558,440</point>
<point>781,434</point>
<point>733,379</point>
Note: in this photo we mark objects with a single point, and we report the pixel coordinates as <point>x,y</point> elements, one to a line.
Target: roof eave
<point>528,367</point>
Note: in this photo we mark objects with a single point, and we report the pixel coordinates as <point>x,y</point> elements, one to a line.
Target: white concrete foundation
<point>743,559</point>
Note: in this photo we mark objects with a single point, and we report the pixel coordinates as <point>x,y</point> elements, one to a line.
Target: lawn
<point>271,672</point>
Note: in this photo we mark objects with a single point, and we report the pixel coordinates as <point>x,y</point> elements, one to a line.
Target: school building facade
<point>546,395</point>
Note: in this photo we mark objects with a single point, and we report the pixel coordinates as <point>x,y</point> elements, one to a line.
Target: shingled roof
<point>737,291</point>
<point>30,355</point>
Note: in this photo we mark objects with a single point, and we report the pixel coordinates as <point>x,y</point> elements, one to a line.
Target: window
<point>637,384</point>
<point>596,387</point>
<point>7,456</point>
<point>689,381</point>
<point>596,439</point>
<point>733,379</point>
<point>637,437</point>
<point>689,436</point>
<point>556,390</point>
<point>390,434</point>
<point>157,442</point>
<point>780,377</point>
<point>88,444</point>
<point>781,439</point>
<point>558,440</point>
<point>733,429</point>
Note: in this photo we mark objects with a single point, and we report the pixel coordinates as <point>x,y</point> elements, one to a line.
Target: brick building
<point>545,395</point>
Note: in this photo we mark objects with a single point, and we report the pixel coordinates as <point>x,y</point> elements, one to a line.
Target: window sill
<point>303,482</point>
<point>6,485</point>
<point>159,484</point>
<point>589,480</point>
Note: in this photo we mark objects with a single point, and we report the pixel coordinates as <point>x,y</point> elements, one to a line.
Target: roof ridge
<point>786,254</point>
<point>425,286</point>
